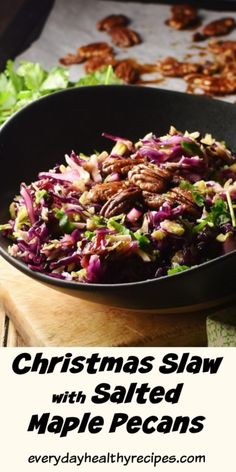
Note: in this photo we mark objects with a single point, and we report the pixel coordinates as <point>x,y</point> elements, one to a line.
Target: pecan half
<point>94,49</point>
<point>112,21</point>
<point>70,59</point>
<point>121,166</point>
<point>185,198</point>
<point>124,37</point>
<point>213,85</point>
<point>217,47</point>
<point>170,67</point>
<point>183,16</point>
<point>100,193</point>
<point>216,28</point>
<point>127,71</point>
<point>121,202</point>
<point>150,178</point>
<point>175,196</point>
<point>96,62</point>
<point>219,27</point>
<point>154,200</point>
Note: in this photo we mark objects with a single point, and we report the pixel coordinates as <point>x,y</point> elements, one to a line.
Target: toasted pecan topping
<point>184,197</point>
<point>183,16</point>
<point>121,202</point>
<point>150,178</point>
<point>124,37</point>
<point>112,21</point>
<point>153,200</point>
<point>100,193</point>
<point>121,166</point>
<point>176,196</point>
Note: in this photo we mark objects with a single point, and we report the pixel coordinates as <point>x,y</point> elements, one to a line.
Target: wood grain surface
<point>46,317</point>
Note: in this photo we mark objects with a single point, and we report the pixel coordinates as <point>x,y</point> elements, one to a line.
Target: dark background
<point>22,20</point>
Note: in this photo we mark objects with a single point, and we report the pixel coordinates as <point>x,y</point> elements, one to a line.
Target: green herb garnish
<point>197,196</point>
<point>192,148</point>
<point>218,215</point>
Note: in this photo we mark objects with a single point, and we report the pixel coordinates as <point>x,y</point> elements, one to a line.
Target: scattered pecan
<point>124,37</point>
<point>94,49</point>
<point>219,27</point>
<point>100,193</point>
<point>183,16</point>
<point>210,68</point>
<point>213,85</point>
<point>127,71</point>
<point>150,178</point>
<point>170,67</point>
<point>217,47</point>
<point>216,28</point>
<point>70,59</point>
<point>96,62</point>
<point>121,166</point>
<point>121,202</point>
<point>112,21</point>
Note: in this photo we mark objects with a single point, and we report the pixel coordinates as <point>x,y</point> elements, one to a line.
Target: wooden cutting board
<point>45,317</point>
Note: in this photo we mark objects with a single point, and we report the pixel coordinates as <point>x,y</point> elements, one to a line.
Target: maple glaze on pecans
<point>183,16</point>
<point>112,21</point>
<point>124,37</point>
<point>122,202</point>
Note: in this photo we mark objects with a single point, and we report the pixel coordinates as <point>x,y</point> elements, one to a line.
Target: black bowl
<point>38,136</point>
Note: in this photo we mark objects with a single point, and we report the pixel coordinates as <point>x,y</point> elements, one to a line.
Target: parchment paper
<point>72,23</point>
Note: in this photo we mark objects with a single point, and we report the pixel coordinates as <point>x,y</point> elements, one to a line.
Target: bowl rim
<point>92,286</point>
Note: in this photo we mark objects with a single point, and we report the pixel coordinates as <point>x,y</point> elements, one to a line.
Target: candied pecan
<point>127,71</point>
<point>153,200</point>
<point>96,62</point>
<point>70,59</point>
<point>213,85</point>
<point>150,178</point>
<point>217,47</point>
<point>121,166</point>
<point>210,68</point>
<point>183,16</point>
<point>170,67</point>
<point>124,37</point>
<point>175,196</point>
<point>121,202</point>
<point>102,192</point>
<point>215,28</point>
<point>94,49</point>
<point>219,27</point>
<point>112,21</point>
<point>184,197</point>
